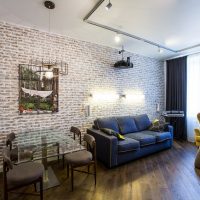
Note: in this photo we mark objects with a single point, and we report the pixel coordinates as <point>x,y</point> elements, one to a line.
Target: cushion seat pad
<point>144,139</point>
<point>128,144</point>
<point>24,174</point>
<point>79,157</point>
<point>160,136</point>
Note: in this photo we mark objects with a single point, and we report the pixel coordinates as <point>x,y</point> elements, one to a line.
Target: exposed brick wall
<point>89,70</point>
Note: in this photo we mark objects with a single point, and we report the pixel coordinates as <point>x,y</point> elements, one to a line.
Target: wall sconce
<point>122,96</point>
<point>157,107</point>
<point>133,98</point>
<point>87,110</point>
<point>136,97</point>
<point>107,96</point>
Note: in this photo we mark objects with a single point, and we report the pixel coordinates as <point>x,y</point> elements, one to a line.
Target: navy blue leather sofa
<point>139,141</point>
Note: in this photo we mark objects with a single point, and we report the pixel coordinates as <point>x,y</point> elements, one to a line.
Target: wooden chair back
<point>198,117</point>
<point>6,159</point>
<point>76,132</point>
<point>9,139</point>
<point>91,144</point>
<point>7,165</point>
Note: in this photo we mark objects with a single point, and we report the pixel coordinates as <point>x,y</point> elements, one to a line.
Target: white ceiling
<point>171,23</point>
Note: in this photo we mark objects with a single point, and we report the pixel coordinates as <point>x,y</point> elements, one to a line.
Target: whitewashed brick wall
<point>90,69</point>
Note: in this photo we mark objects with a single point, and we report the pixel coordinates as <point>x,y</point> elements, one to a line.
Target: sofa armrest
<point>106,147</point>
<point>171,130</point>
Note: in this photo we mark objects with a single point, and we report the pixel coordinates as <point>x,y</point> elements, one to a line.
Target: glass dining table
<point>43,145</point>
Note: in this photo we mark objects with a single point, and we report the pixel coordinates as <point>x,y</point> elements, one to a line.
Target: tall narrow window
<point>193,93</point>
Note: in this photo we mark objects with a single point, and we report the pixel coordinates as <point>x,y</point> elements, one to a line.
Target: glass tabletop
<point>39,144</point>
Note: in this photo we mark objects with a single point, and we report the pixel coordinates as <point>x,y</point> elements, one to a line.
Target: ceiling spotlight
<point>160,50</point>
<point>109,5</point>
<point>117,38</point>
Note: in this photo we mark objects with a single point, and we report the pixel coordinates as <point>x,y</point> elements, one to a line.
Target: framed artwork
<point>38,89</point>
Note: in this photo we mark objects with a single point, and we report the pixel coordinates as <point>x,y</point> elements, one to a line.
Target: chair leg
<point>67,170</point>
<point>35,187</point>
<point>58,159</point>
<point>63,160</point>
<point>5,191</point>
<point>41,188</point>
<point>58,153</point>
<point>5,195</point>
<point>95,174</point>
<point>72,178</point>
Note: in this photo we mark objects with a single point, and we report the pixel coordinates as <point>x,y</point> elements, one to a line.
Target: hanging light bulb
<point>117,38</point>
<point>108,6</point>
<point>50,5</point>
<point>49,74</point>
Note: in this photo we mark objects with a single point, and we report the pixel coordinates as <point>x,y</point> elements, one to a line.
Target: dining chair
<point>17,176</point>
<point>76,132</point>
<point>198,117</point>
<point>14,151</point>
<point>197,137</point>
<point>197,132</point>
<point>9,143</point>
<point>82,158</point>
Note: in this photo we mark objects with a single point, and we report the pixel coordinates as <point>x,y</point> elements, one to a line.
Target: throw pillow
<point>112,132</point>
<point>107,131</point>
<point>158,126</point>
<point>120,137</point>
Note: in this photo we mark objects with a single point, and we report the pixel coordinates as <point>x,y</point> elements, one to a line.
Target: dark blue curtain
<point>176,94</point>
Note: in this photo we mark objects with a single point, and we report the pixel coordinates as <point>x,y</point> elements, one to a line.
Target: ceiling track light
<point>49,4</point>
<point>117,38</point>
<point>123,33</point>
<point>160,50</point>
<point>114,30</point>
<point>108,6</point>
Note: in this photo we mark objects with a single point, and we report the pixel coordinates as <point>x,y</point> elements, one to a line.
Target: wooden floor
<point>168,175</point>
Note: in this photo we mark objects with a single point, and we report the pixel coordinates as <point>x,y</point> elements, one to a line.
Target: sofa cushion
<point>126,124</point>
<point>160,136</point>
<point>159,126</point>
<point>144,139</point>
<point>128,145</point>
<point>142,122</point>
<point>107,122</point>
<point>120,137</point>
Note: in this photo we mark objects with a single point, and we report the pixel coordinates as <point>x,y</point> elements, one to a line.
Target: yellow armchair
<point>198,117</point>
<point>197,133</point>
<point>197,136</point>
